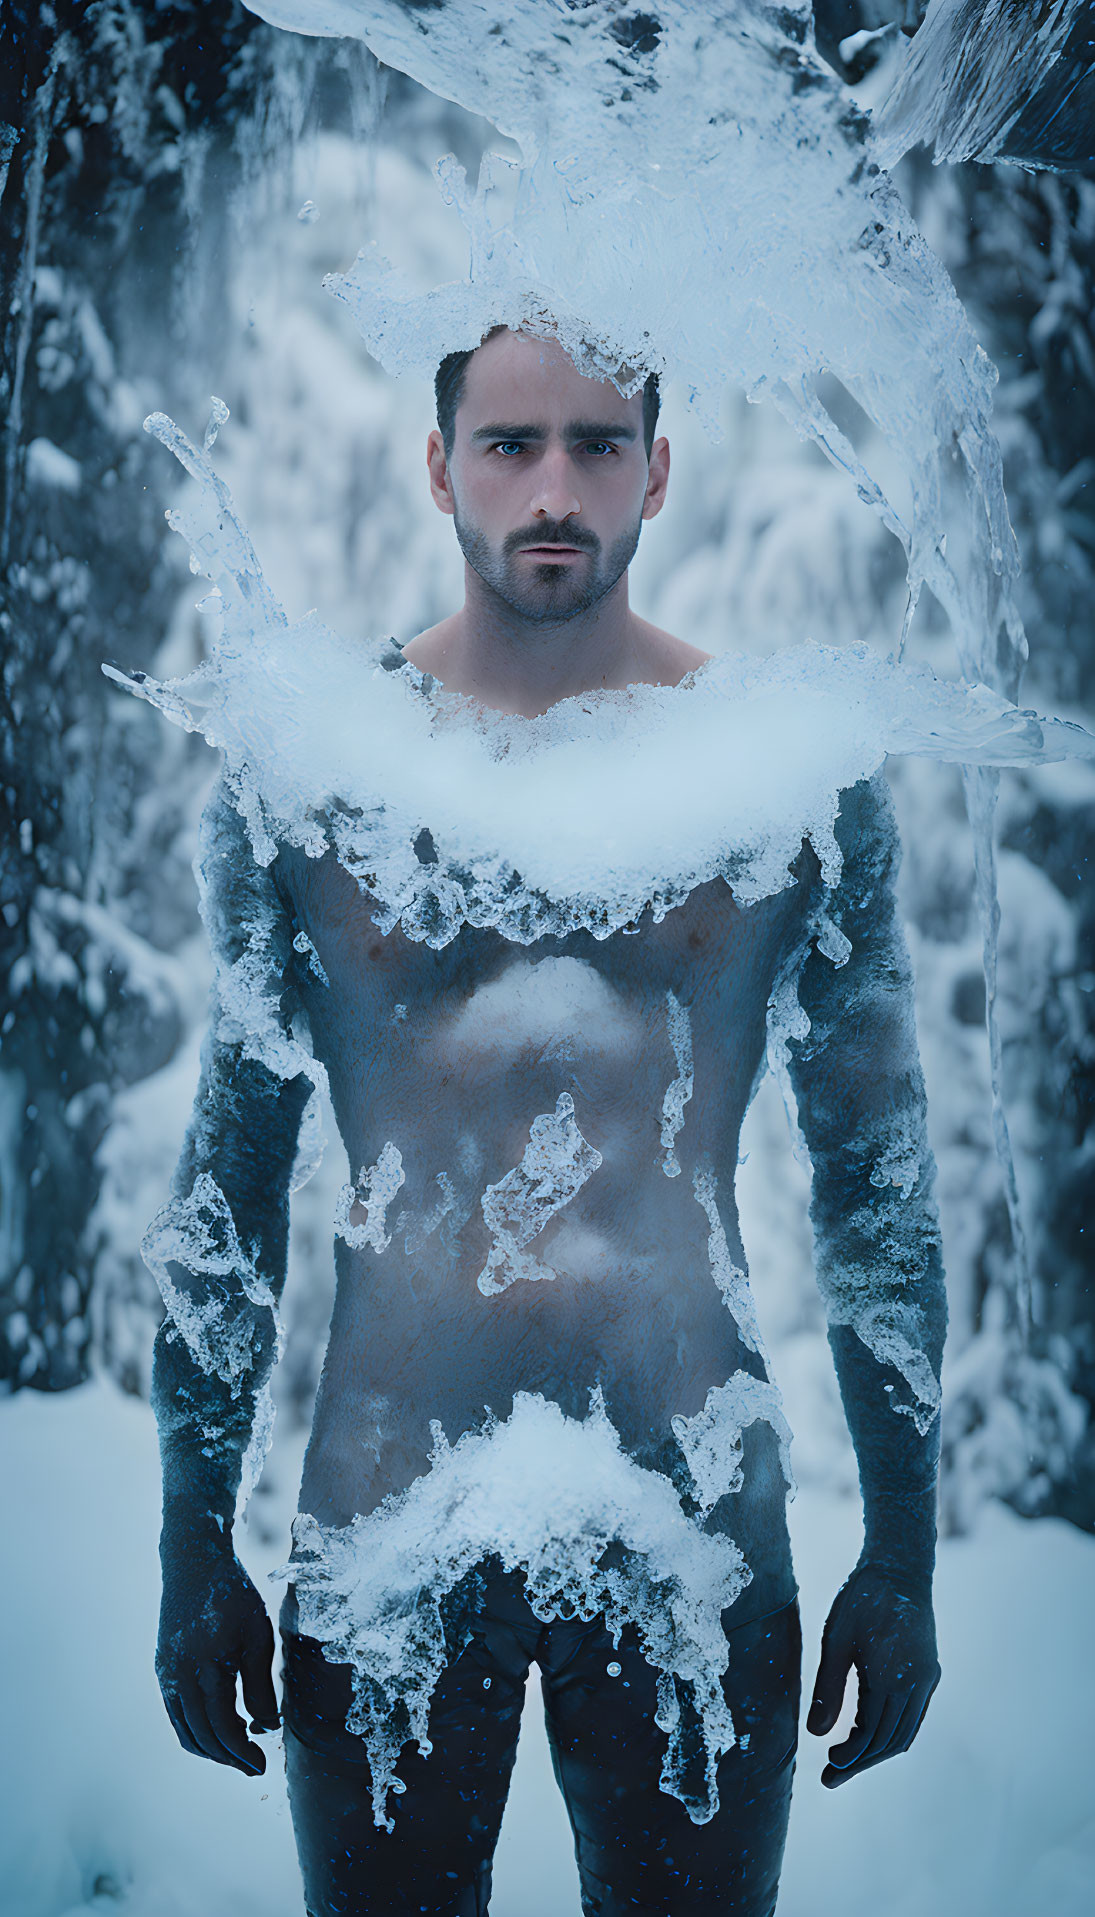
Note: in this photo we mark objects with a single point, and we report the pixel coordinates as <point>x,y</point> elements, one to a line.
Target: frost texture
<point>557,1162</point>
<point>548,1496</point>
<point>679,1027</point>
<point>376,1187</point>
<point>711,1441</point>
<point>198,1236</point>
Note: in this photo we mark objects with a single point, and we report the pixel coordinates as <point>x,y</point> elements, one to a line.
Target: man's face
<point>548,482</point>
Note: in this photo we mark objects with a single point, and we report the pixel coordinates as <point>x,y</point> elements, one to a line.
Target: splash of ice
<point>547,1496</point>
<point>375,1188</point>
<point>557,1162</point>
<point>678,1093</point>
<point>712,1440</point>
<point>708,148</point>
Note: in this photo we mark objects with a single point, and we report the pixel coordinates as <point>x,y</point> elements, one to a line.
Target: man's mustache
<point>550,533</point>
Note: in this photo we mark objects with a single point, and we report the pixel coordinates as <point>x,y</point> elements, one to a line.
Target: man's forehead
<point>515,366</point>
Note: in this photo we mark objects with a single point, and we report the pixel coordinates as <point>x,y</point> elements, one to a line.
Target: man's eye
<point>507,446</point>
<point>600,446</point>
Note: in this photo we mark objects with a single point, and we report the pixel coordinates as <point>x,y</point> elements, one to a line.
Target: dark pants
<point>637,1848</point>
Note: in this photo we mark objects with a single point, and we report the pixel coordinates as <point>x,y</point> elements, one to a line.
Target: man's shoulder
<point>666,659</point>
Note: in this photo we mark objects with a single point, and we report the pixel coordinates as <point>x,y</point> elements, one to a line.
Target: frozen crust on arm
<point>860,1093</point>
<point>218,1248</point>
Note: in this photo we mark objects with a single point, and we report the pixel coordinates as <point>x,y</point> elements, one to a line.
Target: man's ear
<point>657,479</point>
<point>440,483</point>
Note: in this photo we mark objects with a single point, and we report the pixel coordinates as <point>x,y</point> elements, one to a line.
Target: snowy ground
<point>990,1815</point>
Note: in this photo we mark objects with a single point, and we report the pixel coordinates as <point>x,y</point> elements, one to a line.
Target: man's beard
<point>551,592</point>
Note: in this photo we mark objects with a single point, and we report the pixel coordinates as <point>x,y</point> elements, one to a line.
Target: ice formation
<point>729,1277</point>
<point>711,1441</point>
<point>558,1499</point>
<point>216,1314</point>
<point>679,1091</point>
<point>375,1188</point>
<point>557,1162</point>
<point>969,76</point>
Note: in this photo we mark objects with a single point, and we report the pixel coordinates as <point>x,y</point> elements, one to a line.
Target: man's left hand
<point>885,1626</point>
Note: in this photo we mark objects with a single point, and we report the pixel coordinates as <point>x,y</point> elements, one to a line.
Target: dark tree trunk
<point>111,108</point>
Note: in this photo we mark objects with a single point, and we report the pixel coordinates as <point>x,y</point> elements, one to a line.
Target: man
<point>476,1055</point>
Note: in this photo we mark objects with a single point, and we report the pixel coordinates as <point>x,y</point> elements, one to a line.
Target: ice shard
<point>996,80</point>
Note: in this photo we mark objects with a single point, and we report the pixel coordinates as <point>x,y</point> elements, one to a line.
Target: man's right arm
<point>218,1250</point>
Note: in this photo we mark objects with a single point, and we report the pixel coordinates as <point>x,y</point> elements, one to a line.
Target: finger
<point>192,1707</point>
<point>259,1695</point>
<point>912,1718</point>
<point>180,1726</point>
<point>829,1684</point>
<point>868,1742</point>
<point>228,1726</point>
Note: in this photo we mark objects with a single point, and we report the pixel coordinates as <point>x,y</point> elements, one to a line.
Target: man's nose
<point>553,495</point>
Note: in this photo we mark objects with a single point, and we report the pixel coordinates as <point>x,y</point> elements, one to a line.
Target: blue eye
<point>516,445</point>
<point>605,445</point>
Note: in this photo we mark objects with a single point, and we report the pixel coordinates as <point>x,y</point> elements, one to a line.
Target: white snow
<point>990,1814</point>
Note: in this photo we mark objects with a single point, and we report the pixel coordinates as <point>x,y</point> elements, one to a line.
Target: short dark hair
<point>448,387</point>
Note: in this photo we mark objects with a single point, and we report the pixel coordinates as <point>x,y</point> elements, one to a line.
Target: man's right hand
<point>213,1628</point>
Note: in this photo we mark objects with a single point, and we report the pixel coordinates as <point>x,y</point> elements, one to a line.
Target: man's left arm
<point>860,1093</point>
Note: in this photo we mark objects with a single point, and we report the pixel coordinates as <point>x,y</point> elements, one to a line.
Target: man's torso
<point>589,1260</point>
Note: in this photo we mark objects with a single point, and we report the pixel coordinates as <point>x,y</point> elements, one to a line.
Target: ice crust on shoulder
<point>547,1496</point>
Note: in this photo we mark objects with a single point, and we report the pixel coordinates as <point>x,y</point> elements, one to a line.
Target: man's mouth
<point>553,552</point>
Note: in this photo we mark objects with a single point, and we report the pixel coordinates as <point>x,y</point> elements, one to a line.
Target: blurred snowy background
<point>183,179</point>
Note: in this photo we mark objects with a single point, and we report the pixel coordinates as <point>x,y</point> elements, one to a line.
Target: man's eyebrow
<point>508,432</point>
<point>577,429</point>
<point>599,429</point>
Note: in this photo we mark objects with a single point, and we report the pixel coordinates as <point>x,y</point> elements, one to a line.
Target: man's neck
<point>489,653</point>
